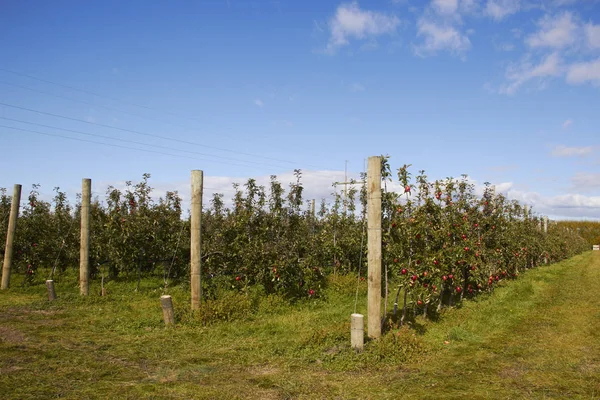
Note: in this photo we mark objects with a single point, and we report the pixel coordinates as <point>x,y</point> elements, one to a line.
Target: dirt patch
<point>10,369</point>
<point>10,335</point>
<point>590,368</point>
<point>264,370</point>
<point>511,372</point>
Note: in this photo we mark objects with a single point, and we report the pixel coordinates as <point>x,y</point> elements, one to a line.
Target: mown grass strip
<point>535,337</point>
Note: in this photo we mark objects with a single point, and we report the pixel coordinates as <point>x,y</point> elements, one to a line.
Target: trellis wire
<point>166,277</point>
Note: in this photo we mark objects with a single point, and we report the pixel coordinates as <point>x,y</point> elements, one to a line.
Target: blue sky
<point>506,91</point>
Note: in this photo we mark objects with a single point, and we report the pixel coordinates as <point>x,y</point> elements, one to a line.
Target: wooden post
<point>196,238</point>
<point>374,246</point>
<point>167,306</point>
<point>51,292</point>
<point>545,232</point>
<point>312,209</point>
<point>10,236</point>
<point>357,331</point>
<point>345,187</point>
<point>84,247</point>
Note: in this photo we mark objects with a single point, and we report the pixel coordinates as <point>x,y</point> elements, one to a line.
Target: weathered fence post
<point>357,331</point>
<point>167,306</point>
<point>84,247</point>
<point>545,232</point>
<point>196,238</point>
<point>10,236</point>
<point>51,292</point>
<point>374,246</point>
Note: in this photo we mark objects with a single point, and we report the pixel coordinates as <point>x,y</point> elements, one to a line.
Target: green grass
<point>536,337</point>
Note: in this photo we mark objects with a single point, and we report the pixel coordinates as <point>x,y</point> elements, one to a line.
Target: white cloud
<point>317,185</point>
<point>440,37</point>
<point>498,9</point>
<point>570,205</point>
<point>555,32</point>
<point>259,102</point>
<point>565,151</point>
<point>592,33</point>
<point>351,22</point>
<point>445,6</point>
<point>468,6</point>
<point>562,45</point>
<point>583,72</point>
<point>518,74</point>
<point>586,181</point>
<point>567,124</point>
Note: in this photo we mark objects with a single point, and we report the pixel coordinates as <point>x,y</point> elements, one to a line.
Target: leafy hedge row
<point>441,241</point>
<point>589,230</point>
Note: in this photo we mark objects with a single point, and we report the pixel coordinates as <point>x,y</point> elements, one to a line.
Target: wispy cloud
<point>583,72</point>
<point>560,47</point>
<point>441,27</point>
<point>555,32</point>
<point>592,33</point>
<point>565,151</point>
<point>567,124</point>
<point>259,102</point>
<point>352,22</point>
<point>520,73</point>
<point>586,181</point>
<point>445,6</point>
<point>569,205</point>
<point>440,36</point>
<point>499,9</point>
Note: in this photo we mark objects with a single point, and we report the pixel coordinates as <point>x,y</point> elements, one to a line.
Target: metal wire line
<point>139,143</point>
<point>118,146</point>
<point>113,109</point>
<point>147,134</point>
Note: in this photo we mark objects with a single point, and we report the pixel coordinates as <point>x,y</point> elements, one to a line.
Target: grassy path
<point>537,337</point>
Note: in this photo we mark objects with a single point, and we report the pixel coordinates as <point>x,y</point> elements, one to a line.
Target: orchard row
<point>441,241</point>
